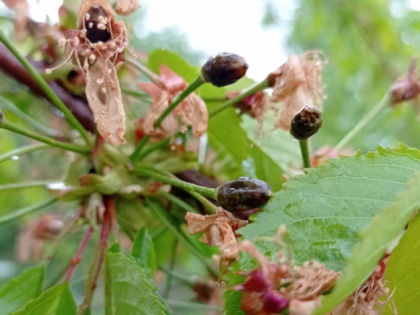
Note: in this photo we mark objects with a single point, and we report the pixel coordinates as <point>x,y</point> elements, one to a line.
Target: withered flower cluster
<point>190,112</point>
<point>218,230</point>
<point>274,287</point>
<point>97,46</point>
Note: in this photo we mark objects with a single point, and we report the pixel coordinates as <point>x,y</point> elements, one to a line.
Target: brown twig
<point>78,257</point>
<point>76,104</point>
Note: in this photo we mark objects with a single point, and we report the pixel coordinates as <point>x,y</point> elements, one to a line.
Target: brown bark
<point>76,104</point>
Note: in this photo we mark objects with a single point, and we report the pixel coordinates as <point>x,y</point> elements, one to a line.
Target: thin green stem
<point>134,93</point>
<point>304,150</point>
<point>16,214</point>
<point>142,68</point>
<point>149,172</point>
<point>24,150</point>
<point>161,213</point>
<point>178,202</point>
<point>32,184</point>
<point>135,156</point>
<point>28,133</point>
<point>189,281</point>
<point>252,90</point>
<point>5,104</point>
<point>153,148</point>
<point>175,102</point>
<point>178,99</point>
<point>44,85</point>
<point>158,232</point>
<point>168,282</point>
<point>369,117</point>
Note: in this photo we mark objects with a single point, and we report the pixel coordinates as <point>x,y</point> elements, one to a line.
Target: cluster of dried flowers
<point>274,287</point>
<point>296,84</point>
<point>97,46</point>
<point>190,112</point>
<point>218,230</point>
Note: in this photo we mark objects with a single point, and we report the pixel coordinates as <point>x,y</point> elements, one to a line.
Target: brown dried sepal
<point>297,83</point>
<point>190,112</point>
<point>104,97</point>
<point>97,46</point>
<point>32,239</point>
<point>406,88</point>
<point>126,7</point>
<point>267,288</point>
<point>218,230</point>
<point>371,297</point>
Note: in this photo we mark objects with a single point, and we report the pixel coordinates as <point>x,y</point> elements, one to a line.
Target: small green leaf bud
<point>243,194</point>
<point>224,69</point>
<point>306,123</point>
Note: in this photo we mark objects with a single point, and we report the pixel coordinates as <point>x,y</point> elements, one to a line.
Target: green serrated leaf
<point>127,289</point>
<point>403,271</point>
<point>56,301</point>
<point>325,210</point>
<point>143,250</point>
<point>20,290</point>
<point>376,239</point>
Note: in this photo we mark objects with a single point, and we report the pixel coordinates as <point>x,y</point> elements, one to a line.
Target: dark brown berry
<point>224,69</point>
<point>306,123</point>
<point>243,194</point>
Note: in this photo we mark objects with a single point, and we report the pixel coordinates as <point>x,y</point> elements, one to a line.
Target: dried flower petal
<point>273,286</point>
<point>97,46</point>
<point>104,97</point>
<point>407,87</point>
<point>371,297</point>
<point>190,112</point>
<point>32,238</point>
<point>297,83</point>
<point>126,7</point>
<point>219,230</point>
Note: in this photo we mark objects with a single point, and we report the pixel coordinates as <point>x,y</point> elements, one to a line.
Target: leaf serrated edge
<point>377,237</point>
<point>401,150</point>
<point>131,261</point>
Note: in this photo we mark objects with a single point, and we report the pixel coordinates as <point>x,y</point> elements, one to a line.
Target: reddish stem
<point>78,257</point>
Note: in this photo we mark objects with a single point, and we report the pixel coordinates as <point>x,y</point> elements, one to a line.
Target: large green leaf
<point>325,209</point>
<point>17,292</point>
<point>403,271</point>
<point>127,289</point>
<point>377,238</point>
<point>56,301</point>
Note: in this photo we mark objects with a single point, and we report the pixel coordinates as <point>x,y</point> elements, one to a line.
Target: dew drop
<point>15,157</point>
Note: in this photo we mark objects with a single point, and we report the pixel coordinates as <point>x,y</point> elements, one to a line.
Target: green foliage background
<point>367,43</point>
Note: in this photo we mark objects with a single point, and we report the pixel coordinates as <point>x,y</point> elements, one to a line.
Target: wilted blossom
<point>274,286</point>
<point>371,297</point>
<point>324,154</point>
<point>190,112</point>
<point>296,84</point>
<point>407,87</point>
<point>253,105</point>
<point>126,7</point>
<point>32,239</point>
<point>218,230</point>
<point>97,46</point>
